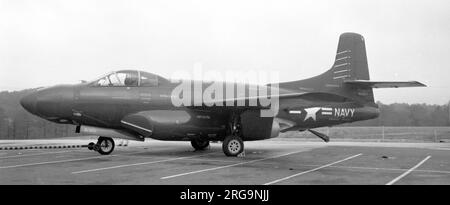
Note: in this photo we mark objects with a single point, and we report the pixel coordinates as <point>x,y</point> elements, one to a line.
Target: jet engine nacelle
<point>255,127</point>
<point>175,124</point>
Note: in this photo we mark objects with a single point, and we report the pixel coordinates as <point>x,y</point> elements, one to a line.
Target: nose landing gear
<point>104,145</point>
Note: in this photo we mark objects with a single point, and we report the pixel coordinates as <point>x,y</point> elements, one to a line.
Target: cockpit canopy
<point>129,78</point>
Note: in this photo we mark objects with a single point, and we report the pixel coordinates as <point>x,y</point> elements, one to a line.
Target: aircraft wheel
<point>105,145</point>
<point>232,145</point>
<point>199,144</point>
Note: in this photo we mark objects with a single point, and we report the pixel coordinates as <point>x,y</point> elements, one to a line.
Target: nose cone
<point>29,103</point>
<point>51,103</point>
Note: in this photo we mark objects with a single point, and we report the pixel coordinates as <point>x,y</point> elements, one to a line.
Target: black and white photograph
<point>201,92</point>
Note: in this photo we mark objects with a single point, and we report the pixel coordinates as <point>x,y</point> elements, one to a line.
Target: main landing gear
<point>104,145</point>
<point>233,145</point>
<point>199,144</point>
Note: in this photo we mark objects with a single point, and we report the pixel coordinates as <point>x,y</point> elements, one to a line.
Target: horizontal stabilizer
<point>384,84</point>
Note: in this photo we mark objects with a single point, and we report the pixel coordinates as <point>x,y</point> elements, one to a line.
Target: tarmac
<point>271,162</point>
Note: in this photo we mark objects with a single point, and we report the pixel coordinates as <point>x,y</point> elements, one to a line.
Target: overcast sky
<point>53,42</point>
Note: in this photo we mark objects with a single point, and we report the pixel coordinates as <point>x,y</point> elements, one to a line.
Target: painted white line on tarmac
<point>62,161</point>
<point>409,171</point>
<point>391,169</point>
<point>311,170</point>
<point>441,148</point>
<point>231,165</point>
<point>432,171</point>
<point>54,162</point>
<point>210,160</point>
<point>36,154</point>
<point>379,169</point>
<point>137,164</point>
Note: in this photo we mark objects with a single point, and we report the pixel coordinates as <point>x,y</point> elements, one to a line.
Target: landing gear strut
<point>104,145</point>
<point>233,145</point>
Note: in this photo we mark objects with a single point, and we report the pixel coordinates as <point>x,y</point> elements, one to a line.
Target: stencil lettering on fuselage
<point>344,112</point>
<point>311,113</point>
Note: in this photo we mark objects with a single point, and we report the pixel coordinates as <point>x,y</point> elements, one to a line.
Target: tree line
<point>410,115</point>
<point>16,123</point>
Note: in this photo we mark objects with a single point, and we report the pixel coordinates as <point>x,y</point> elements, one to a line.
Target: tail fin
<point>351,59</point>
<point>350,64</point>
<point>349,75</point>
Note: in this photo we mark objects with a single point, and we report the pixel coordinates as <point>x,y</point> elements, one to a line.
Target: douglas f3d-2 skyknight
<point>135,105</point>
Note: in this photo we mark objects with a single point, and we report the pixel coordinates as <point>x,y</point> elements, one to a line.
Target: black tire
<point>199,144</point>
<point>91,146</point>
<point>232,145</point>
<point>105,145</point>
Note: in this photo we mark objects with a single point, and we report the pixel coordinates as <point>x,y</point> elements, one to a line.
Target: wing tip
<point>419,84</point>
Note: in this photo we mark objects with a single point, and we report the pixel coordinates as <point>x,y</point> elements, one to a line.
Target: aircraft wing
<point>384,84</point>
<point>245,100</point>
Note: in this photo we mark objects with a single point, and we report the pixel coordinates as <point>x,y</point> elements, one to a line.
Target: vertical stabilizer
<point>350,63</point>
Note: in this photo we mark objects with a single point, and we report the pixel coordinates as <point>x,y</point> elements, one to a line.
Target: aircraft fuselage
<point>106,107</point>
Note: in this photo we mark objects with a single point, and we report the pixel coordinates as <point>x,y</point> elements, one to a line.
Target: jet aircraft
<point>134,105</point>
